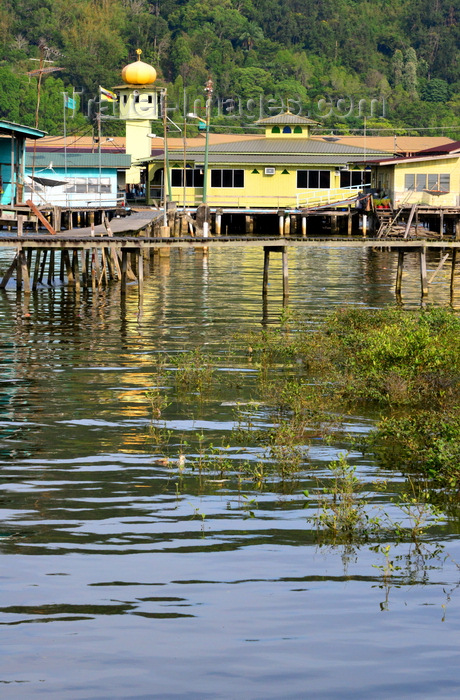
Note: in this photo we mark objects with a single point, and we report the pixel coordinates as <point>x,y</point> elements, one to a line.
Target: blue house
<point>81,180</point>
<point>12,159</point>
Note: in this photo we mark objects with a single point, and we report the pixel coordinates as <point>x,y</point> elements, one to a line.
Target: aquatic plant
<point>343,506</point>
<point>194,371</point>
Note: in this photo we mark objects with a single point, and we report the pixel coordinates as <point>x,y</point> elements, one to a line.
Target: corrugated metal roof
<point>11,127</point>
<point>285,149</point>
<point>286,146</point>
<point>279,160</point>
<point>79,160</point>
<point>286,118</point>
<point>428,158</point>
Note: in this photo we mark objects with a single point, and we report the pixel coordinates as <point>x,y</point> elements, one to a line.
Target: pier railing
<point>305,199</point>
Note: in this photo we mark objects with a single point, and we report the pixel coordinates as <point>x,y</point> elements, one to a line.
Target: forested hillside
<point>341,51</point>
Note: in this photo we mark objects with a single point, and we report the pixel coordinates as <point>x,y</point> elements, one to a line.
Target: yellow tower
<point>139,103</point>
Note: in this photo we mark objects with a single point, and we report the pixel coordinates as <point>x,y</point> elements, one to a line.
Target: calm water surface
<point>120,577</point>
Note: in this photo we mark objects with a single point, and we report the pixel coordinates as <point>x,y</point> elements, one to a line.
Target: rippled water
<point>122,578</point>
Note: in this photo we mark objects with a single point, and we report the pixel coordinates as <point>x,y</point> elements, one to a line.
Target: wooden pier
<point>95,256</point>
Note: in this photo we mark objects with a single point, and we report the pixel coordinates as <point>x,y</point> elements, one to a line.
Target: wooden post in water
<point>349,222</point>
<point>84,267</point>
<point>287,225</point>
<point>423,276</point>
<point>22,272</point>
<point>61,268</point>
<point>453,273</point>
<point>304,225</point>
<point>140,273</point>
<point>75,270</point>
<point>266,266</point>
<point>281,222</point>
<point>334,224</point>
<point>68,267</point>
<point>51,269</point>
<point>36,269</point>
<point>9,273</point>
<point>42,268</point>
<point>399,272</point>
<point>285,272</point>
<point>124,270</point>
<point>218,222</point>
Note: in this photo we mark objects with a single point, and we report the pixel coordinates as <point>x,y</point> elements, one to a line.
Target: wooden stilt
<point>61,268</point>
<point>140,272</point>
<point>423,276</point>
<point>51,269</point>
<point>218,222</point>
<point>103,273</point>
<point>285,272</point>
<point>42,268</point>
<point>110,265</point>
<point>84,268</point>
<point>439,268</point>
<point>304,225</point>
<point>93,270</point>
<point>266,266</point>
<point>36,269</point>
<point>68,267</point>
<point>9,273</point>
<point>334,226</point>
<point>116,262</point>
<point>453,273</point>
<point>349,222</point>
<point>399,272</point>
<point>124,270</point>
<point>96,265</point>
<point>75,270</point>
<point>281,223</point>
<point>22,265</point>
<point>287,225</point>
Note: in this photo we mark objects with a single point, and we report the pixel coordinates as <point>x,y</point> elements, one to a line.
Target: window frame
<point>318,176</point>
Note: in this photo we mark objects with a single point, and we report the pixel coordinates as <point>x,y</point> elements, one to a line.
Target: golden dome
<point>139,73</point>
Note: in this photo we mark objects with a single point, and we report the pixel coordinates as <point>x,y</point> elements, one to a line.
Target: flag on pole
<point>70,103</point>
<point>107,95</point>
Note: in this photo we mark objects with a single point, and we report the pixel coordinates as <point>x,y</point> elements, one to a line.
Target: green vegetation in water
<point>403,366</point>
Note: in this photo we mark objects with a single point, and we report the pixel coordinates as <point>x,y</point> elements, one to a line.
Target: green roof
<point>282,151</point>
<point>117,161</point>
<point>282,160</point>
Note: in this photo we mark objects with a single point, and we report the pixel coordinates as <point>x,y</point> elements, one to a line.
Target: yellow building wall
<point>138,145</point>
<point>450,166</point>
<point>264,191</point>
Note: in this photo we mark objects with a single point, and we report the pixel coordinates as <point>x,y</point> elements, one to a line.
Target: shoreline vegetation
<point>399,368</point>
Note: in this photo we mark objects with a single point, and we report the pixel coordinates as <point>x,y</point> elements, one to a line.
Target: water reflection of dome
<point>139,73</point>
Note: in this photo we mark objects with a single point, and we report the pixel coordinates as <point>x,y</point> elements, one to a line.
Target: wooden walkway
<point>92,257</point>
